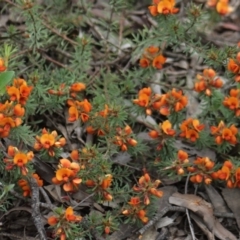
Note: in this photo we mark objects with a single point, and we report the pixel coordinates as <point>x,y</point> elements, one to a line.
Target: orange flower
<point>223,133</point>
<point>190,129</point>
<point>2,65</point>
<point>152,56</point>
<point>52,220</point>
<point>183,156</point>
<point>79,110</point>
<point>202,171</point>
<point>20,159</point>
<point>172,101</point>
<point>63,174</point>
<point>158,61</point>
<point>77,87</point>
<point>164,7</point>
<point>134,201</point>
<point>70,217</point>
<point>233,101</point>
<point>14,93</point>
<point>146,186</point>
<point>144,62</point>
<point>223,8</point>
<point>47,140</point>
<point>123,138</point>
<point>207,82</point>
<point>106,182</point>
<point>234,67</point>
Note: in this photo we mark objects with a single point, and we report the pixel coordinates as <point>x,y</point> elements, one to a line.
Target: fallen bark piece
<point>205,211</point>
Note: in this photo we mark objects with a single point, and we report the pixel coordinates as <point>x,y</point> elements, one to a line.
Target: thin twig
<point>187,211</point>
<point>91,195</point>
<point>58,33</point>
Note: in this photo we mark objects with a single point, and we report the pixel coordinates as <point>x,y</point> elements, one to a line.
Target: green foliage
<point>66,43</point>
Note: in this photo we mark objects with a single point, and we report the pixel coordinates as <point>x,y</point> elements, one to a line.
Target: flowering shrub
<point>82,112</point>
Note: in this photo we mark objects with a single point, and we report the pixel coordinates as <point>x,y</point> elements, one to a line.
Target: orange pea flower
<point>164,7</point>
<point>147,187</point>
<point>123,138</point>
<point>76,87</point>
<point>202,170</point>
<point>18,159</point>
<point>152,56</point>
<point>229,173</point>
<point>223,133</point>
<point>162,133</point>
<point>233,101</point>
<point>66,218</point>
<point>221,6</point>
<point>67,175</point>
<point>207,82</point>
<point>2,65</point>
<point>234,67</point>
<point>79,110</point>
<point>20,91</point>
<point>190,129</point>
<point>148,100</point>
<point>173,101</point>
<point>136,210</point>
<point>49,141</point>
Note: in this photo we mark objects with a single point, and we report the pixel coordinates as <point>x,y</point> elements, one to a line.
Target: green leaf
<point>5,78</point>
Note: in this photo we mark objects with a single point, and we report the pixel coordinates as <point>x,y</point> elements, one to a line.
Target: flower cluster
<point>24,185</point>
<point>20,91</point>
<point>233,101</point>
<point>190,129</point>
<point>201,171</point>
<point>152,56</point>
<point>123,138</point>
<point>234,67</point>
<point>136,210</point>
<point>180,163</point>
<point>224,134</point>
<point>62,222</point>
<point>164,7</point>
<point>147,100</point>
<point>221,6</point>
<point>2,65</point>
<point>10,117</point>
<point>228,173</point>
<point>172,101</point>
<point>67,174</point>
<point>79,110</point>
<point>102,186</point>
<point>146,187</point>
<point>207,81</point>
<point>49,142</point>
<point>162,133</point>
<point>18,159</point>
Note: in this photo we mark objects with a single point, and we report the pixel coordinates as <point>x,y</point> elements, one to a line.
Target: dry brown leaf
<point>216,199</point>
<point>55,192</point>
<point>232,197</point>
<point>204,210</point>
<point>202,226</point>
